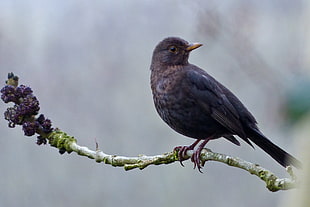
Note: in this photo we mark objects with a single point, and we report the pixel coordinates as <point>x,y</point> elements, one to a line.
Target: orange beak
<point>193,46</point>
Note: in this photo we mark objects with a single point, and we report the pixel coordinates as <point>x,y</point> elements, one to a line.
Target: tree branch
<point>25,111</point>
<point>63,141</point>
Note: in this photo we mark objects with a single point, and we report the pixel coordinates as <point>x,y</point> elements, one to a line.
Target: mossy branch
<point>61,140</point>
<point>25,112</point>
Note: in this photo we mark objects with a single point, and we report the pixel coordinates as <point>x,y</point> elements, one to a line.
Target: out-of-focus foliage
<point>297,105</point>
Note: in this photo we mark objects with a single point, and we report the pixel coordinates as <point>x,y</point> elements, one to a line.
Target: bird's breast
<point>167,95</point>
<point>179,109</point>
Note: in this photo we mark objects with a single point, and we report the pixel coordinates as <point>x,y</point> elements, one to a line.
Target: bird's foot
<point>196,156</point>
<point>196,160</point>
<point>183,149</point>
<point>181,153</point>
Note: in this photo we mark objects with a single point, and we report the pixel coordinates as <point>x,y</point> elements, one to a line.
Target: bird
<point>196,105</point>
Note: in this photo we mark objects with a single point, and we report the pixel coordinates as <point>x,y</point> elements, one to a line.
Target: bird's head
<point>173,51</point>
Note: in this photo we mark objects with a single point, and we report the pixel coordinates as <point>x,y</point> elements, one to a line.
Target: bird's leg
<point>196,155</point>
<point>183,149</point>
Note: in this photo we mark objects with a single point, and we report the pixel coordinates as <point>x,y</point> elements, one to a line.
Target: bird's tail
<point>282,157</point>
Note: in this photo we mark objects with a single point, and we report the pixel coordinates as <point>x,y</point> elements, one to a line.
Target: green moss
<point>231,162</point>
<point>271,184</point>
<point>262,174</point>
<point>270,180</point>
<point>60,140</point>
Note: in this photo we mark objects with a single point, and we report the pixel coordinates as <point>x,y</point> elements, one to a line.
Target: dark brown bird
<point>196,105</point>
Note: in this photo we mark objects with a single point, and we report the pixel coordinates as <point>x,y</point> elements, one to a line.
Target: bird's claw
<point>196,160</point>
<point>181,153</point>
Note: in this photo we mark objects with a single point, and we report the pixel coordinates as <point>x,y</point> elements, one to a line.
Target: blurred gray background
<point>88,64</point>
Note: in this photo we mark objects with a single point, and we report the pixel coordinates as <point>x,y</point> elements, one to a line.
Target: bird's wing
<point>209,95</point>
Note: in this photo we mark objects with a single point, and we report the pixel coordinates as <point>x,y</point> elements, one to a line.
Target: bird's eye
<point>173,49</point>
